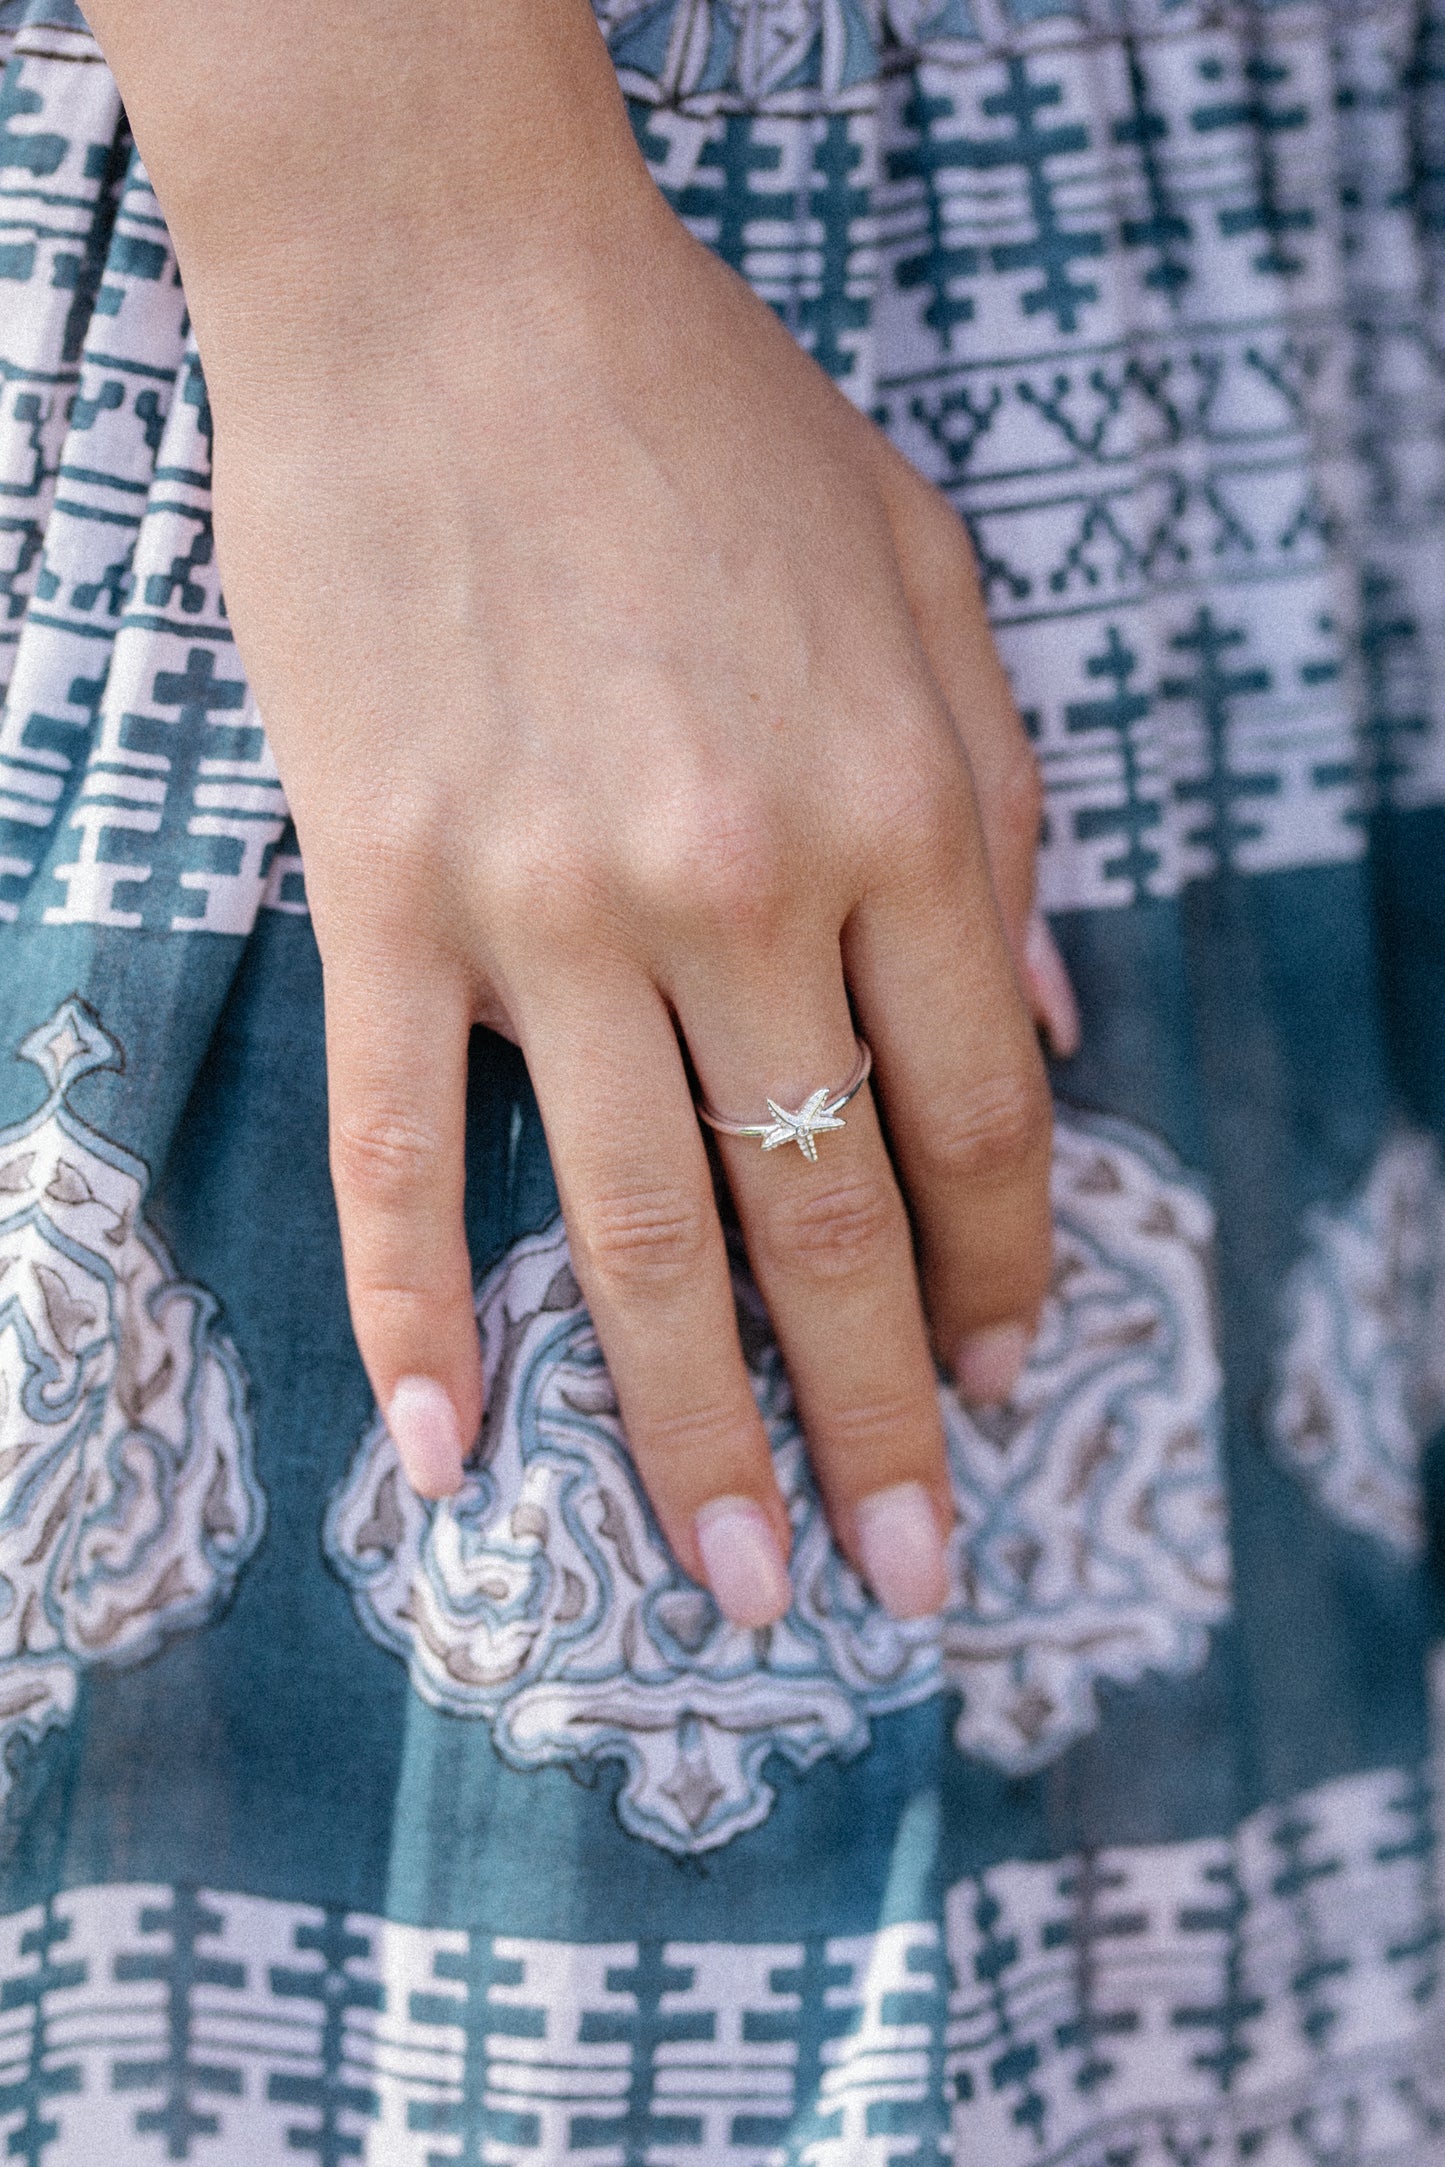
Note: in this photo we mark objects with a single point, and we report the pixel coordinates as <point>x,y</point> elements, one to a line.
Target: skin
<point>627,687</point>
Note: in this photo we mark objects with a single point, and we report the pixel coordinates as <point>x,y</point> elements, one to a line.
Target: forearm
<point>317,158</point>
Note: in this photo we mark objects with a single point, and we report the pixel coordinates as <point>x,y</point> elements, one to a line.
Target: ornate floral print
<point>1362,1369</point>
<point>1090,1543</point>
<point>128,1501</point>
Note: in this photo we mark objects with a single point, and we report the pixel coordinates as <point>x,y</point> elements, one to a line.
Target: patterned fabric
<point>133,1501</point>
<point>340,1826</point>
<point>1159,310</point>
<point>514,1603</point>
<point>149,2022</point>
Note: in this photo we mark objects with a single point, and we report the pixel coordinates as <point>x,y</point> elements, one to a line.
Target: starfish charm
<point>799,1128</point>
<point>822,1111</point>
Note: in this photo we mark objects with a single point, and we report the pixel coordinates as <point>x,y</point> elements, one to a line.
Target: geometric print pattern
<point>1267,1997</point>
<point>1157,310</point>
<point>1152,294</point>
<point>136,784</point>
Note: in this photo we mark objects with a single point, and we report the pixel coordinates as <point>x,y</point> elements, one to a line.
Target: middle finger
<point>830,1246</point>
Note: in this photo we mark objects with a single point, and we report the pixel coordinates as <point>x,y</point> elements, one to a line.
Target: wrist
<point>323,170</point>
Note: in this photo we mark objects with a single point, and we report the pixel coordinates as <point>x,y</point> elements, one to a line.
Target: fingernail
<point>988,1363</point>
<point>902,1550</point>
<point>743,1563</point>
<point>1051,990</point>
<point>426,1433</point>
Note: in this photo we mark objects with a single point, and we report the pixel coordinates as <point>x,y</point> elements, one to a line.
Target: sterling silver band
<point>821,1111</point>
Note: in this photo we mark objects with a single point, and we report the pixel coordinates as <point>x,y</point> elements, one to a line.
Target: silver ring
<point>821,1111</point>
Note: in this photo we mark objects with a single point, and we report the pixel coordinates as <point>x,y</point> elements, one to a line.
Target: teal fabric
<point>338,1826</point>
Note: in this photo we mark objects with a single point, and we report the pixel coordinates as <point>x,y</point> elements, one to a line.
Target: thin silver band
<point>821,1111</point>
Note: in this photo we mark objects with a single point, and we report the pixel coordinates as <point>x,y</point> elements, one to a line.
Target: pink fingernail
<point>1051,990</point>
<point>988,1363</point>
<point>427,1435</point>
<point>743,1563</point>
<point>902,1550</point>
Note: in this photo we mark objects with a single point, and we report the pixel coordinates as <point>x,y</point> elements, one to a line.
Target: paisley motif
<point>1361,1375</point>
<point>128,1501</point>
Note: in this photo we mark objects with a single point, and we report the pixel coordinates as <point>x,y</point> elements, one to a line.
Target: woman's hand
<point>628,687</point>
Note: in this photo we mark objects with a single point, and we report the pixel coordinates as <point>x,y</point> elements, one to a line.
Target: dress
<point>343,1828</point>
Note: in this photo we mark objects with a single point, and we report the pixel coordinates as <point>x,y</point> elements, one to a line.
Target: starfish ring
<point>822,1111</point>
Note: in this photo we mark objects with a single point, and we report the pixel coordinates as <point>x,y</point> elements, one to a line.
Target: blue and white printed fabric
<point>341,1827</point>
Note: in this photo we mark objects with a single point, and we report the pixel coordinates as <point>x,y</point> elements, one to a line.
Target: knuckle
<point>645,1240</point>
<point>1019,797</point>
<point>916,812</point>
<point>940,834</point>
<point>992,1131</point>
<point>392,1311</point>
<point>727,877</point>
<point>863,1429</point>
<point>843,1231</point>
<point>405,830</point>
<point>547,882</point>
<point>941,549</point>
<point>387,1302</point>
<point>692,1441</point>
<point>384,1158</point>
<point>950,573</point>
<point>377,910</point>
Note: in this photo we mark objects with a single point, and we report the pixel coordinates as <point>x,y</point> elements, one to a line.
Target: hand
<point>637,689</point>
<point>626,687</point>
